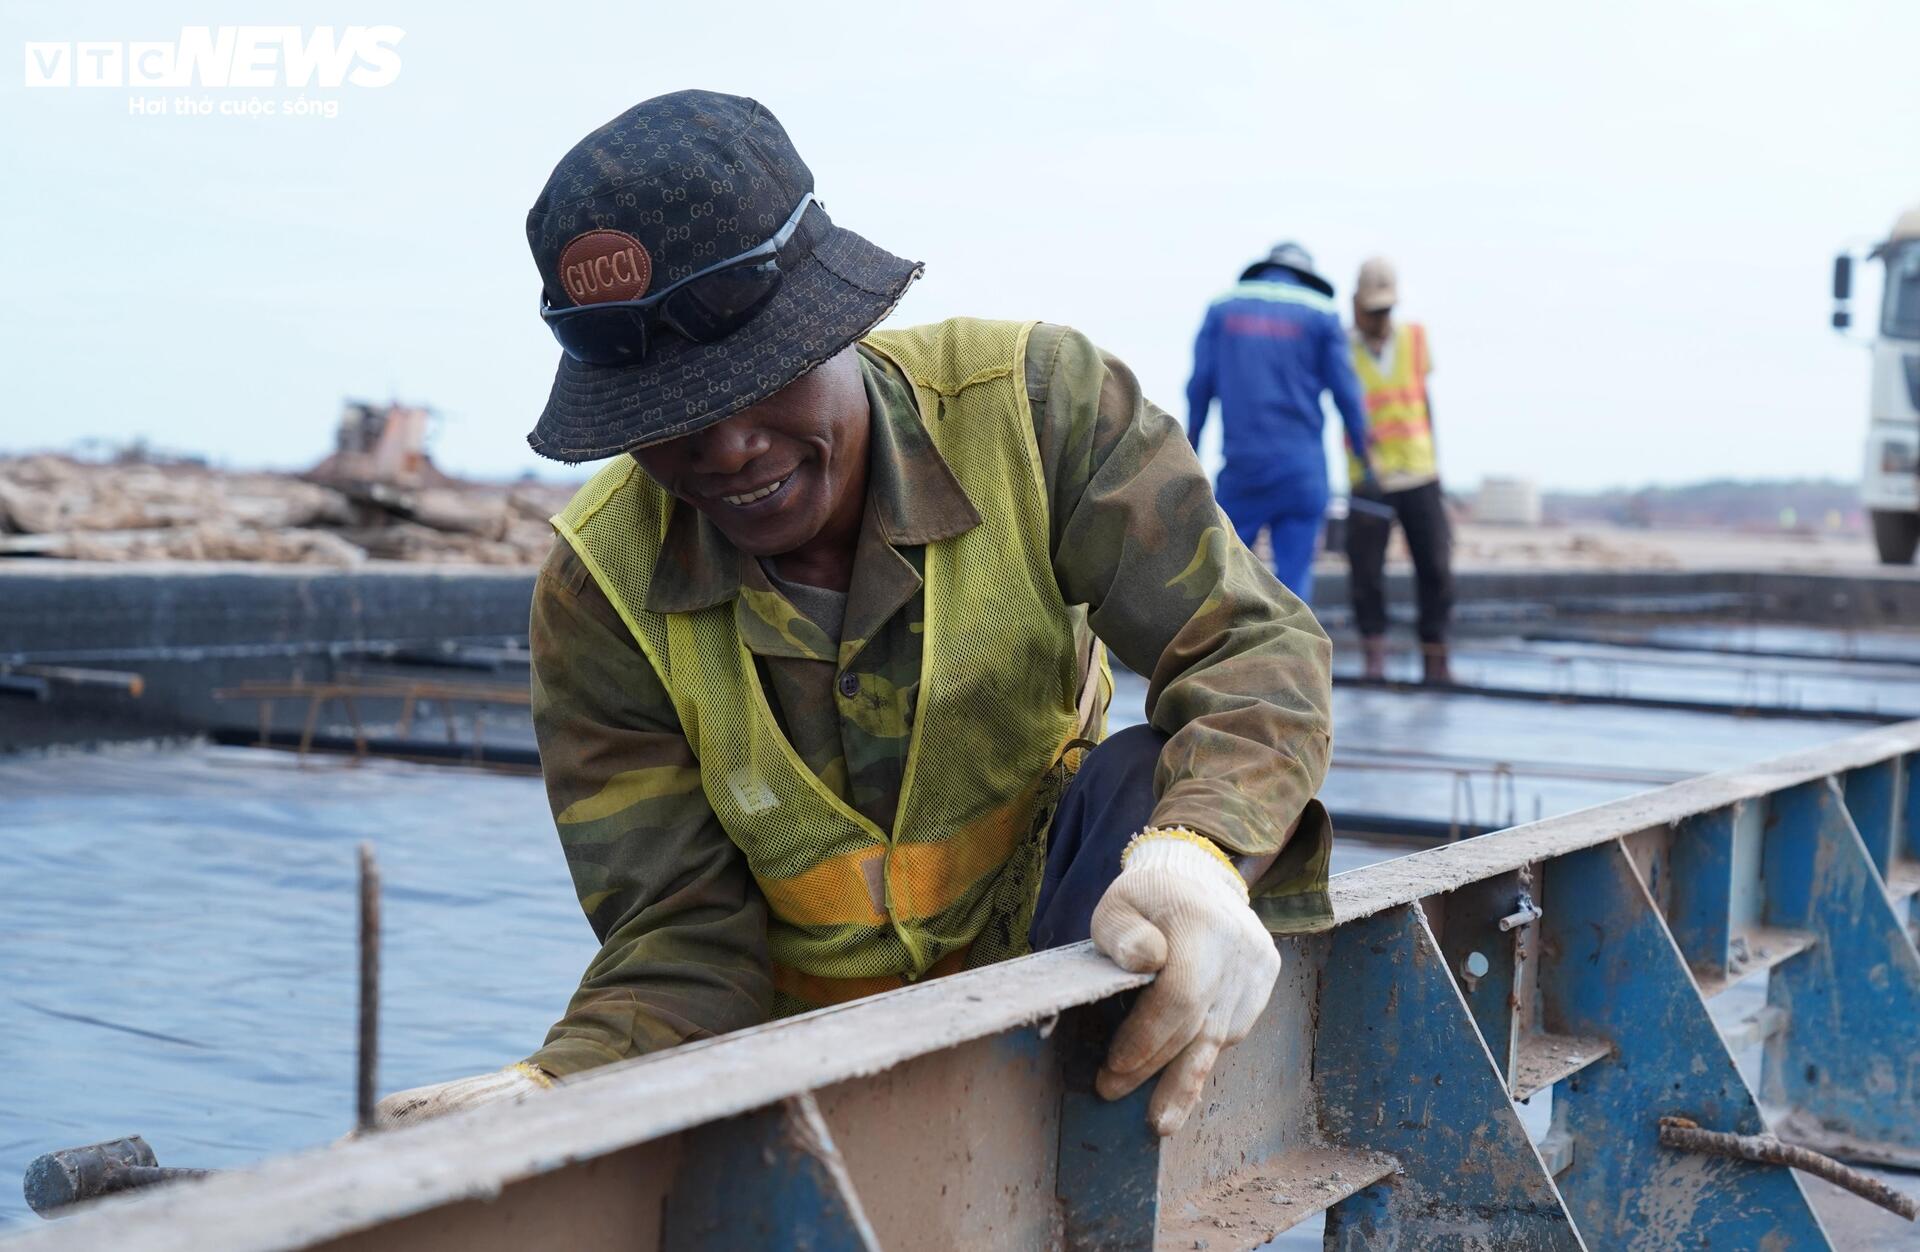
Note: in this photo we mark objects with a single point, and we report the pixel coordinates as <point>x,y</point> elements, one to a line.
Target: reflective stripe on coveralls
<point>856,909</point>
<point>1399,433</point>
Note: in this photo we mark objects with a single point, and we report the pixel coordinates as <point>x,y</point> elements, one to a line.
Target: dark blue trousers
<point>1105,805</point>
<point>1290,509</point>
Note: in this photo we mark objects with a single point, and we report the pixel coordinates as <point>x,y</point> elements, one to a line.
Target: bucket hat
<point>673,186</point>
<point>1378,287</point>
<point>1297,260</point>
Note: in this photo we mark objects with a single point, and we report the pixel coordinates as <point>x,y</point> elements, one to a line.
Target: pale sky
<point>1617,223</point>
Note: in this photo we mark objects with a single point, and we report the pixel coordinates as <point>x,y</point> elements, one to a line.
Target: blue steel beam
<point>1700,886</point>
<point>1485,960</point>
<point>1401,1069</point>
<point>962,1142</point>
<point>1873,798</point>
<point>1253,1160</point>
<point>1371,993</point>
<point>1846,1067</point>
<point>1109,1164</point>
<point>1612,969</point>
<point>801,1197</point>
<point>1903,864</point>
<point>1904,836</point>
<point>1714,894</point>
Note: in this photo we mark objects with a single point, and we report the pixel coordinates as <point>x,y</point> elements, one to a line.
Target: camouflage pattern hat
<point>665,190</point>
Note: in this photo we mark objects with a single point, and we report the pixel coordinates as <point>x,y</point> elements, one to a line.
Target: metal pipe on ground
<point>59,1180</point>
<point>76,676</point>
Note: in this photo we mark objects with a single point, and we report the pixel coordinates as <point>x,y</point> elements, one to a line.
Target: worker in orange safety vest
<point>1392,361</point>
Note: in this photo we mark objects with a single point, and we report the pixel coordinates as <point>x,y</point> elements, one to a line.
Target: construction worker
<point>818,674</point>
<point>1392,360</point>
<point>1269,348</point>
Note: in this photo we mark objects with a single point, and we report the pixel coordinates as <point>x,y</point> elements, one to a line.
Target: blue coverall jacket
<point>1268,349</point>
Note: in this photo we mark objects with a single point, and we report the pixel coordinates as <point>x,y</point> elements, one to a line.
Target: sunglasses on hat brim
<point>704,308</point>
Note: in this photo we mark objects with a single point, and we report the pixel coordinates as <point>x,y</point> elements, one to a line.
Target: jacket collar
<point>913,498</point>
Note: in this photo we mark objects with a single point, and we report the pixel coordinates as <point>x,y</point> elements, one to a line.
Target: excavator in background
<point>1890,479</point>
<point>383,444</point>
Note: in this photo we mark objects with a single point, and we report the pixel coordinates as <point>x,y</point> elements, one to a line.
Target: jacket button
<point>849,684</point>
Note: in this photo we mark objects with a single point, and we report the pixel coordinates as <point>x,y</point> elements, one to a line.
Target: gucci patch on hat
<point>604,265</point>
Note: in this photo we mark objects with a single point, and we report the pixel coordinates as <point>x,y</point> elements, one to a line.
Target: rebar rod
<point>369,988</point>
<point>1685,1135</point>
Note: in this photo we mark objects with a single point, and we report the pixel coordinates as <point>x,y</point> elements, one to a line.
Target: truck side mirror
<point>1842,291</point>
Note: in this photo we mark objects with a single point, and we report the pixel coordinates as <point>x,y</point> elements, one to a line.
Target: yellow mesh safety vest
<point>856,909</point>
<point>1400,436</point>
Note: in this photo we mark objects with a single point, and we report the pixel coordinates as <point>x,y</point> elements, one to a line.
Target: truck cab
<point>1890,478</point>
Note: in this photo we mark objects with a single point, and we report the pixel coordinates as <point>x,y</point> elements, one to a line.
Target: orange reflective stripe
<point>843,891</point>
<point>927,878</point>
<point>1389,429</point>
<point>1409,395</point>
<point>820,992</point>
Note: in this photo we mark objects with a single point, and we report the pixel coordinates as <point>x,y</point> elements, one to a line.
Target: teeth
<point>761,494</point>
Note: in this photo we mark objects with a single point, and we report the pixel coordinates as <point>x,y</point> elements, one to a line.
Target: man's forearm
<point>1238,668</point>
<point>681,925</point>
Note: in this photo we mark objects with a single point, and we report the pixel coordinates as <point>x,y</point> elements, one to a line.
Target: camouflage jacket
<point>1238,674</point>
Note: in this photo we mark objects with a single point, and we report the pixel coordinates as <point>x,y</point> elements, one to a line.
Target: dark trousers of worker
<point>1290,510</point>
<point>1422,514</point>
<point>1106,804</point>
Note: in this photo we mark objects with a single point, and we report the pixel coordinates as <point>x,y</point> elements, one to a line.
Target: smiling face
<point>782,477</point>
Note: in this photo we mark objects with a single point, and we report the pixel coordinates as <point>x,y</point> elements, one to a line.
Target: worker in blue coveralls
<point>1268,348</point>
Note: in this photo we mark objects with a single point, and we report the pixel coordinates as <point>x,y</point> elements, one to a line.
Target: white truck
<point>1890,479</point>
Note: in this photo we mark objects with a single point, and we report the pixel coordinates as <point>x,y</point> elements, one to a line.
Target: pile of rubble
<point>141,509</point>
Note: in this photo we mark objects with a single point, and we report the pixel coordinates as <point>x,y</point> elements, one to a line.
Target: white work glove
<point>1180,907</point>
<point>404,1108</point>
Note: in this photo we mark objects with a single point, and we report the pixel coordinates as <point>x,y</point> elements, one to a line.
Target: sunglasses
<point>703,308</point>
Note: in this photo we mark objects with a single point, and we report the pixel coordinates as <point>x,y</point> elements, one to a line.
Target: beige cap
<point>1377,287</point>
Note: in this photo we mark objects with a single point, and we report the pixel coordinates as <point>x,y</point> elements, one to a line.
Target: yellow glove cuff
<point>539,1077</point>
<point>1184,835</point>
